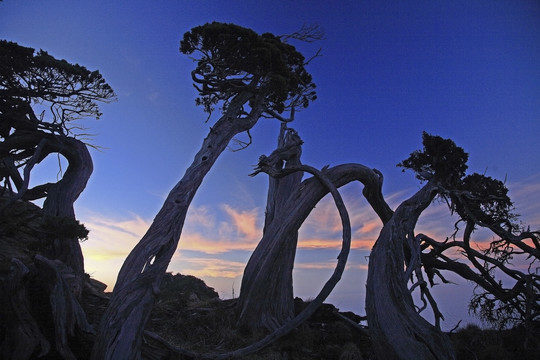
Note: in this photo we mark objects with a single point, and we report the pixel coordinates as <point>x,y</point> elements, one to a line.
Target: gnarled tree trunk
<point>62,195</point>
<point>23,336</point>
<point>280,284</point>
<point>122,325</point>
<point>58,268</point>
<point>397,330</point>
<point>59,196</point>
<point>266,297</point>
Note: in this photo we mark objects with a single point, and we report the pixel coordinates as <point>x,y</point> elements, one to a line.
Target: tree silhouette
<point>401,256</point>
<point>400,259</point>
<point>248,76</point>
<point>266,295</point>
<point>32,81</point>
<point>40,98</point>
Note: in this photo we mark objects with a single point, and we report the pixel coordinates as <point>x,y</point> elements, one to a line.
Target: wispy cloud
<point>526,197</point>
<point>214,245</point>
<point>205,267</point>
<point>327,265</point>
<point>110,238</point>
<point>218,232</point>
<point>245,222</point>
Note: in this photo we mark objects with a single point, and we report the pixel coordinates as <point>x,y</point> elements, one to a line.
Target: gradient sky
<point>465,70</point>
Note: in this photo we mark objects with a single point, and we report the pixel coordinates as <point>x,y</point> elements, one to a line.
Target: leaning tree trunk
<point>122,325</point>
<point>23,336</point>
<point>57,270</point>
<point>397,330</point>
<point>62,195</point>
<point>264,277</point>
<point>280,285</point>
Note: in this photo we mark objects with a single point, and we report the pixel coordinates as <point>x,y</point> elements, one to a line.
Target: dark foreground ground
<point>190,316</point>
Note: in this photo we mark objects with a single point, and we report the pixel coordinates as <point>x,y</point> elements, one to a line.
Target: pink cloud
<point>335,244</point>
<point>245,221</point>
<point>208,267</point>
<point>223,229</point>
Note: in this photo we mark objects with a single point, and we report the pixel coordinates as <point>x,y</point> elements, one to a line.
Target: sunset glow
<point>388,71</point>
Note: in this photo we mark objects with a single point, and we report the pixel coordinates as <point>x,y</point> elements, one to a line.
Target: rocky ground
<point>189,317</point>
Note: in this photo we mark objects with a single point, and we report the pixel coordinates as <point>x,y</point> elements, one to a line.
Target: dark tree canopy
<point>440,158</point>
<point>484,200</point>
<point>480,202</point>
<point>27,77</point>
<point>248,76</point>
<point>234,59</point>
<point>40,97</point>
<point>474,197</point>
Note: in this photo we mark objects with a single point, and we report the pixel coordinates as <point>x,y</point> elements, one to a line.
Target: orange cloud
<point>315,243</point>
<point>208,267</point>
<point>328,265</point>
<point>364,244</point>
<point>370,227</point>
<point>245,222</point>
<point>223,229</point>
<point>209,245</point>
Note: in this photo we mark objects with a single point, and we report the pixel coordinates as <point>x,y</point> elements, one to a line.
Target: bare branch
<point>308,33</point>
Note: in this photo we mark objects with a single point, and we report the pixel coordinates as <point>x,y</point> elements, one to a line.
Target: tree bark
<point>62,195</point>
<point>266,280</point>
<point>281,308</point>
<point>23,335</point>
<point>59,196</point>
<point>122,326</point>
<point>60,262</point>
<point>397,330</point>
<point>67,313</point>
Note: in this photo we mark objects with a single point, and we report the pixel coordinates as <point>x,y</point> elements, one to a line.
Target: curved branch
<point>397,330</point>
<point>26,178</point>
<point>121,327</point>
<point>324,292</point>
<point>312,190</point>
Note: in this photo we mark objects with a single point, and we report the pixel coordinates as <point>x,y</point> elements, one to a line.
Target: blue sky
<point>466,70</point>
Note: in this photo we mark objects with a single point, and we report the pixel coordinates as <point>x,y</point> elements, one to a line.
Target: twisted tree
<point>248,76</point>
<point>31,82</point>
<point>266,296</point>
<point>40,98</point>
<point>253,307</point>
<point>401,260</point>
<point>401,257</point>
<point>504,269</point>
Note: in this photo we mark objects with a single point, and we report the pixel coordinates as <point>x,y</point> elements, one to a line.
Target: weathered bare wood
<point>261,288</point>
<point>397,330</point>
<point>60,280</point>
<point>313,190</point>
<point>278,306</point>
<point>23,336</point>
<point>326,289</point>
<point>122,326</point>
